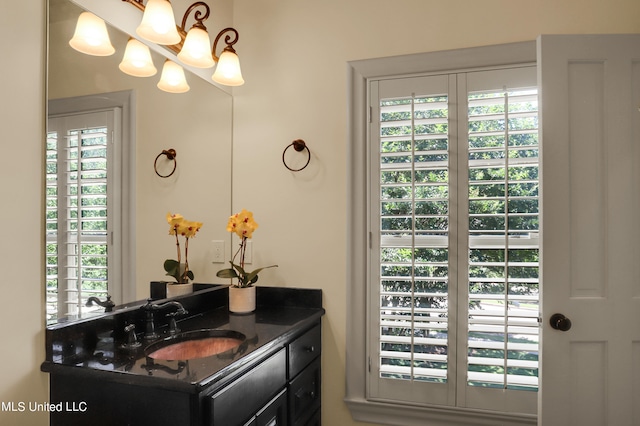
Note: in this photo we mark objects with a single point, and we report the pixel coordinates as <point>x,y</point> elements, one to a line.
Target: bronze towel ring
<point>299,145</point>
<point>171,155</point>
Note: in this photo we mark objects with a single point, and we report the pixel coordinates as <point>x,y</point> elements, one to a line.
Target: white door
<point>590,120</point>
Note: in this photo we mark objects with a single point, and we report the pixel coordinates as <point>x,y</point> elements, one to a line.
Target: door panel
<point>589,90</point>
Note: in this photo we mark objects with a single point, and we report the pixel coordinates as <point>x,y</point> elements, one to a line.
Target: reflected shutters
<point>78,235</point>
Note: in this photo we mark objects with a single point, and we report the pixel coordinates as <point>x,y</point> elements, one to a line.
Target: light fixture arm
<point>137,3</point>
<point>228,40</point>
<point>197,16</point>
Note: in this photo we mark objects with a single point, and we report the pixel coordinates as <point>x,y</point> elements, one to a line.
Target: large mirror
<point>196,124</point>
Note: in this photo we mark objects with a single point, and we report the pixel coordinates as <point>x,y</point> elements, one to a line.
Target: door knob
<point>560,322</point>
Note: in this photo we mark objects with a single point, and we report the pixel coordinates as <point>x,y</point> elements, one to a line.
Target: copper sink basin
<point>195,344</point>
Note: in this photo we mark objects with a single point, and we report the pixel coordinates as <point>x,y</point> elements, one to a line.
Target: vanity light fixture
<point>137,60</point>
<point>228,69</point>
<point>158,23</point>
<point>192,46</point>
<point>172,79</point>
<point>195,50</point>
<point>91,36</point>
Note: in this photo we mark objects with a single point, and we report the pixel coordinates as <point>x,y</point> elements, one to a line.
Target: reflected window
<point>83,186</point>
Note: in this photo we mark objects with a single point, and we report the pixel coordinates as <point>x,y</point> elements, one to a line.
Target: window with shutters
<point>453,222</point>
<point>83,186</point>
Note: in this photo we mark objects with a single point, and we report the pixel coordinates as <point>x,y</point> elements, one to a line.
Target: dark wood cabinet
<point>297,403</point>
<point>304,378</point>
<point>273,378</point>
<point>279,389</point>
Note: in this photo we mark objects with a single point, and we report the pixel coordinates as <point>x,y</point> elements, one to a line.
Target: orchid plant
<point>243,225</point>
<point>179,226</point>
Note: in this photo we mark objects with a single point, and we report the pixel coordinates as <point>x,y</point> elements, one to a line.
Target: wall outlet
<point>217,250</point>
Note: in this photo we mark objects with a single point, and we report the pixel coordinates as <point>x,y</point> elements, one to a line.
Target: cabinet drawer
<point>239,401</point>
<point>304,394</point>
<point>275,413</point>
<point>303,350</point>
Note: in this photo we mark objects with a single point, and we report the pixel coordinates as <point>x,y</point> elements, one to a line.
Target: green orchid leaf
<point>252,277</point>
<point>190,275</point>
<point>172,267</point>
<point>227,273</point>
<point>241,271</point>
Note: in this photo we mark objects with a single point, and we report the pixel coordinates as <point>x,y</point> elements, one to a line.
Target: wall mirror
<point>196,124</point>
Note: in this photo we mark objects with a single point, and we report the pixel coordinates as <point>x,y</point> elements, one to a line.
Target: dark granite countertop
<point>94,347</point>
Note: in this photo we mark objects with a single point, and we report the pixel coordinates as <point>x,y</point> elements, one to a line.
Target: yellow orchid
<point>179,226</point>
<point>174,221</point>
<point>243,225</point>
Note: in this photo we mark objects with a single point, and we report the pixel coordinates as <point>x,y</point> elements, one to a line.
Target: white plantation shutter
<point>503,239</point>
<point>411,248</point>
<point>454,241</point>
<point>79,234</point>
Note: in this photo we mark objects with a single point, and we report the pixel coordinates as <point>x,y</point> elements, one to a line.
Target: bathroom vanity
<point>266,371</point>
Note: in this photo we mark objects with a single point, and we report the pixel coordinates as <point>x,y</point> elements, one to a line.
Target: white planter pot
<point>242,300</point>
<point>174,290</point>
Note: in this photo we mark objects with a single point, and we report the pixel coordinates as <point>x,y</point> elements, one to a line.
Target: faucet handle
<point>173,325</point>
<point>132,339</point>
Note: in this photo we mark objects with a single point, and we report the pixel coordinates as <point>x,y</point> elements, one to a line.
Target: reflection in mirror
<point>105,130</point>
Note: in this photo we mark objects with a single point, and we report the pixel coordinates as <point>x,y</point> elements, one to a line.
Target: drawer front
<point>304,393</point>
<point>304,349</point>
<point>238,402</point>
<point>275,413</point>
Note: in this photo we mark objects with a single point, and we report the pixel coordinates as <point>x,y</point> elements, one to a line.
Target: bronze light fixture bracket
<point>199,17</point>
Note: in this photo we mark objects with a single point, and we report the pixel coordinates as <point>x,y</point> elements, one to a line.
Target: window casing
<point>431,249</point>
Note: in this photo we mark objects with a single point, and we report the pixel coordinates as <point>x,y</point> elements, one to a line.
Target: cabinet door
<point>274,413</point>
<point>304,393</point>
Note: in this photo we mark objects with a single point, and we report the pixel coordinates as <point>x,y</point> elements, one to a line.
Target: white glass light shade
<point>137,60</point>
<point>158,23</point>
<point>196,50</point>
<point>228,70</point>
<point>91,36</point>
<point>172,79</point>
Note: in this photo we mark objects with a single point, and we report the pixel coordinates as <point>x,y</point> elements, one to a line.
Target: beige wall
<point>293,55</point>
<point>22,123</point>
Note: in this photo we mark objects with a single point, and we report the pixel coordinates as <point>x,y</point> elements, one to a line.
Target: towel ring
<point>171,155</point>
<point>299,145</point>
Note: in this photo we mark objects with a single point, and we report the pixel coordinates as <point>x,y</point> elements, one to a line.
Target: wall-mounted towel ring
<point>171,155</point>
<point>299,145</point>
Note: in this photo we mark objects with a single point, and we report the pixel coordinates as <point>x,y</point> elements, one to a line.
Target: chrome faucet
<point>151,308</point>
<point>107,304</point>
